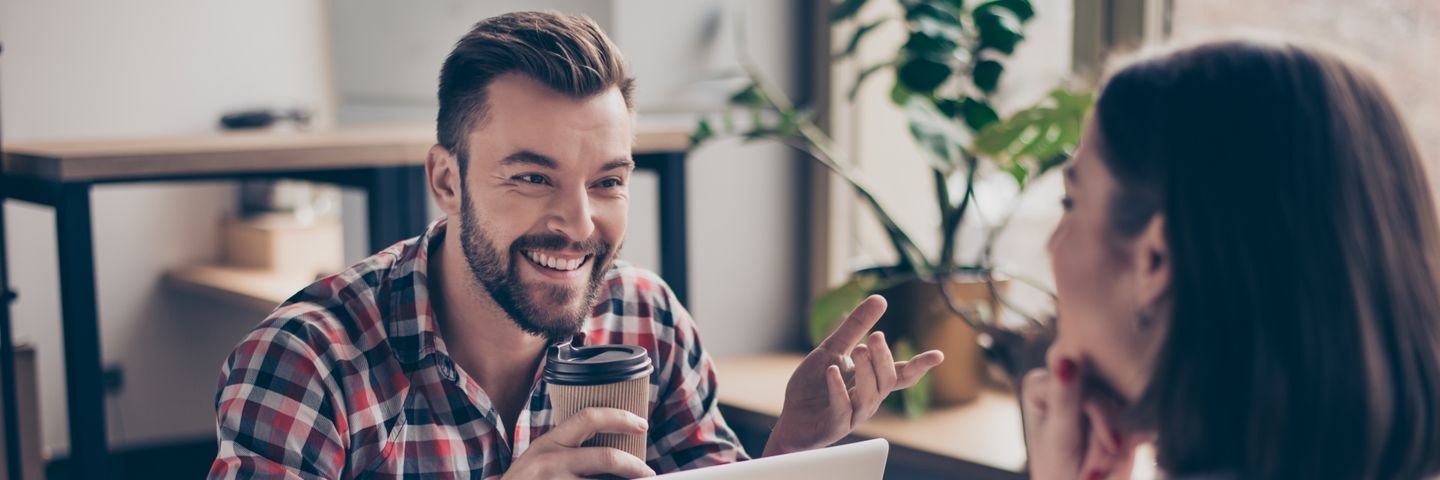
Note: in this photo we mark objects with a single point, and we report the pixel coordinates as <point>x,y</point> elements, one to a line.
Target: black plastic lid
<point>595,365</point>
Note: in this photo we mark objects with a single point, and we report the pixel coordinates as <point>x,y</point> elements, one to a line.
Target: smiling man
<point>424,359</point>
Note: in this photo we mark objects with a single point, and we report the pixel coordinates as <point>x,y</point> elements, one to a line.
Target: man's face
<point>544,200</point>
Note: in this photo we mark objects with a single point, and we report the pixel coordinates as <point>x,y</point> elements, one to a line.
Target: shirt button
<point>446,370</point>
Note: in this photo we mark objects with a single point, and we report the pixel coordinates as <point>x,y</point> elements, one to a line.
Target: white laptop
<point>856,461</point>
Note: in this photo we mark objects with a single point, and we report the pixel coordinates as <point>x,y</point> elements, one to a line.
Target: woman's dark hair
<point>1303,239</point>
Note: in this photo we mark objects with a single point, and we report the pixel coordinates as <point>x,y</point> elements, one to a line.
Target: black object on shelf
<point>261,118</point>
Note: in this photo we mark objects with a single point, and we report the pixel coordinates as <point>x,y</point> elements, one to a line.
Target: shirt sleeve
<point>276,416</point>
<point>686,428</point>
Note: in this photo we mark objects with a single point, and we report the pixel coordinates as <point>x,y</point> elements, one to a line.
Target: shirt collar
<point>411,328</point>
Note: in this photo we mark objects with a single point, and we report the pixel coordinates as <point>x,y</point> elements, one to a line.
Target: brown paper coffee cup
<point>632,396</point>
<point>610,376</point>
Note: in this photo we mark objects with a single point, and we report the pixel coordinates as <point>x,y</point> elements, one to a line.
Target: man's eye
<point>532,178</point>
<point>610,183</point>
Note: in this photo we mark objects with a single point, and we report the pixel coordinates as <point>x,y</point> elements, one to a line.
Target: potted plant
<point>945,73</point>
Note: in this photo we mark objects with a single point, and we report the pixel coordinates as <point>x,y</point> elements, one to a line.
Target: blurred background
<point>769,229</point>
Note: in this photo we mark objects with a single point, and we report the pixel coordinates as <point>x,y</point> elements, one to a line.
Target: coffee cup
<point>613,376</point>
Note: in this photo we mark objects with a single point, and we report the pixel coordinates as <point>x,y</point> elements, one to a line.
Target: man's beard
<point>554,314</point>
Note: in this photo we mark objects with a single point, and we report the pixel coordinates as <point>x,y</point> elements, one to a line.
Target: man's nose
<point>570,215</point>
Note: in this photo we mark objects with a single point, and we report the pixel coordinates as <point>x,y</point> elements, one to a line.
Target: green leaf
<point>1069,133</point>
<point>1044,142</point>
<point>1022,9</point>
<point>832,306</point>
<point>898,94</point>
<point>978,114</point>
<point>923,75</point>
<point>987,75</point>
<point>935,28</point>
<point>996,138</point>
<point>1019,171</point>
<point>860,34</point>
<point>1038,138</point>
<point>933,39</point>
<point>930,10</point>
<point>921,44</point>
<point>950,107</point>
<point>702,133</point>
<point>1072,102</point>
<point>934,132</point>
<point>791,121</point>
<point>997,32</point>
<point>846,9</point>
<point>786,125</point>
<point>750,96</point>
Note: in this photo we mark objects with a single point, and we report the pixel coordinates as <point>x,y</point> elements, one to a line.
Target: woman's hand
<point>1068,435</point>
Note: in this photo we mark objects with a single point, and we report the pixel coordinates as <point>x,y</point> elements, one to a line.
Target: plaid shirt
<point>350,378</point>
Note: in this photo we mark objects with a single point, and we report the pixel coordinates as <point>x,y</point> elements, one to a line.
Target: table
<point>387,163</point>
<point>982,439</point>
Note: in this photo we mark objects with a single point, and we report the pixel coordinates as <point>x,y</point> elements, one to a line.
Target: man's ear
<point>1153,263</point>
<point>442,172</point>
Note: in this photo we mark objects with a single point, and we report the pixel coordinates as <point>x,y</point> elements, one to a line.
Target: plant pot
<point>919,311</point>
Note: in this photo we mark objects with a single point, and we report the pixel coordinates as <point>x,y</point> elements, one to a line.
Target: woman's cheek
<point>1057,238</point>
<point>1079,286</point>
<point>1065,323</point>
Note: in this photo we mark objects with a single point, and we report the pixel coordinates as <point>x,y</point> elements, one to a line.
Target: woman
<point>1249,276</point>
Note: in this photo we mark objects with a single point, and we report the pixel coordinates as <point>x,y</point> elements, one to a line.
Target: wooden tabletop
<point>251,288</point>
<point>986,431</point>
<point>240,152</point>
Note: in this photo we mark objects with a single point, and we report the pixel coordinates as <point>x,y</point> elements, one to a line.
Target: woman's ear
<point>442,173</point>
<point>1153,264</point>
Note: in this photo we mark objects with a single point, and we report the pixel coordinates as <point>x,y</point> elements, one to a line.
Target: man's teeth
<point>555,263</point>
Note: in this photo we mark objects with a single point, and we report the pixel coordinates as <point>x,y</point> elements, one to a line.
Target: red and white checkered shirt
<point>349,379</point>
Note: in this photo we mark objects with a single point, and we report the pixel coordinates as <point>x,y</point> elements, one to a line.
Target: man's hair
<point>567,53</point>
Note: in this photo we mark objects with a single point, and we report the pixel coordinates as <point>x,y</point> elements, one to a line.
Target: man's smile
<point>557,264</point>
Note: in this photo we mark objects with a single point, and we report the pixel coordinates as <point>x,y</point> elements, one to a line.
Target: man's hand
<point>558,454</point>
<point>821,407</point>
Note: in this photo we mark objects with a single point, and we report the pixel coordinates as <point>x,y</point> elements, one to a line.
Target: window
<point>1399,39</point>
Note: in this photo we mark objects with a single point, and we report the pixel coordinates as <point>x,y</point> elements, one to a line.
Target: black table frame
<point>396,210</point>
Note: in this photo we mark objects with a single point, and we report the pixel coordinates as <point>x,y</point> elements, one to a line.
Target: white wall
<point>746,266</point>
<point>97,68</point>
<point>744,224</point>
